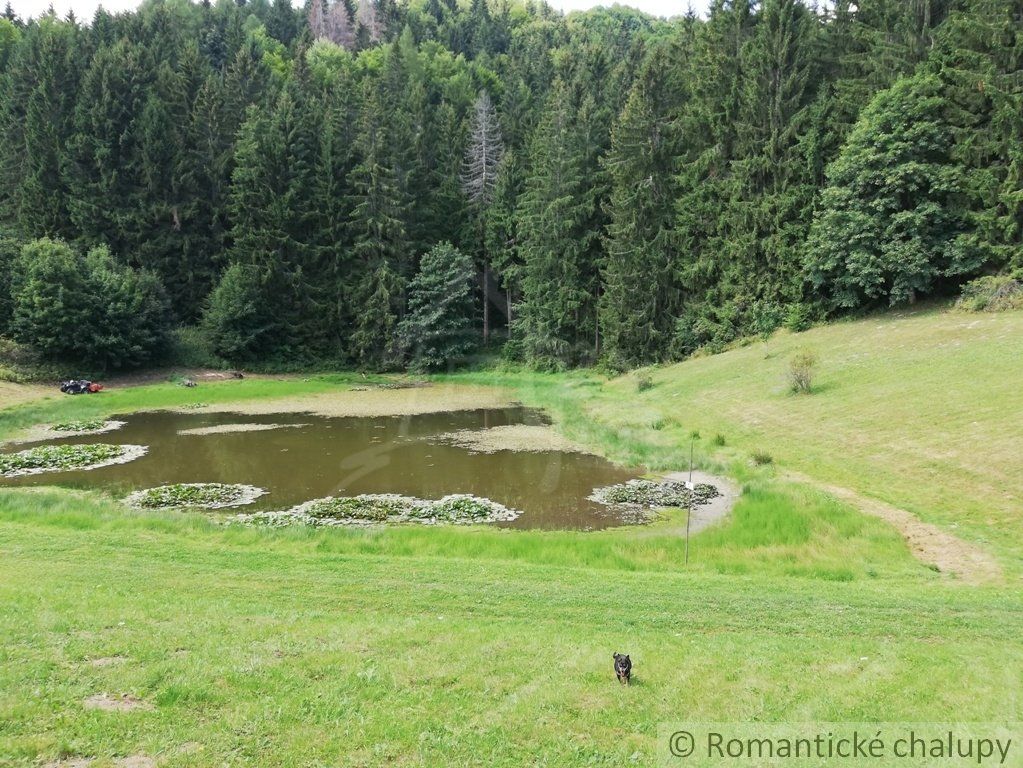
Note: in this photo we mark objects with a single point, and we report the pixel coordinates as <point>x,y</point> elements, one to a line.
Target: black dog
<point>623,668</point>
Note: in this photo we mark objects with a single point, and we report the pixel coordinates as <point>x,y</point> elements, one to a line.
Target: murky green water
<point>348,456</point>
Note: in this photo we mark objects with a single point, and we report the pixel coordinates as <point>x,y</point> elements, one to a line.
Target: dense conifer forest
<point>381,184</point>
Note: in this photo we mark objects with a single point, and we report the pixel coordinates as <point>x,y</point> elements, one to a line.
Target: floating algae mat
<point>300,457</point>
<point>374,509</point>
<point>44,459</point>
<point>194,495</point>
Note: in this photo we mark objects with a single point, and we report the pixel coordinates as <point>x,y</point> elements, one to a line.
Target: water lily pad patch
<point>86,426</point>
<point>201,495</point>
<point>64,458</point>
<point>384,508</point>
<point>651,494</point>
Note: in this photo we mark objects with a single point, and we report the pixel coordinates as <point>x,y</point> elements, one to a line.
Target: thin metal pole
<point>692,492</point>
<point>689,517</point>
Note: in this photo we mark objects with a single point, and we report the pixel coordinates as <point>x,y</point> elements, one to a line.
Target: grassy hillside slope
<point>920,409</point>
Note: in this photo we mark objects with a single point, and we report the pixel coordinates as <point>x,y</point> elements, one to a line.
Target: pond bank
<point>515,437</point>
<point>712,511</point>
<point>371,401</point>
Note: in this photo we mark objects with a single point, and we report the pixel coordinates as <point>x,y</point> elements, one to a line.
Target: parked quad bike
<point>80,387</point>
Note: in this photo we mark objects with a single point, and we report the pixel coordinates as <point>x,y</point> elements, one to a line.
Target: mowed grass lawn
<point>297,649</point>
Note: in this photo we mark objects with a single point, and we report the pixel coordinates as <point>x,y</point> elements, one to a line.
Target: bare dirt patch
<point>135,761</point>
<point>928,542</point>
<point>410,401</point>
<point>221,429</point>
<point>125,702</point>
<point>131,761</point>
<point>513,437</point>
<point>163,375</point>
<point>107,661</point>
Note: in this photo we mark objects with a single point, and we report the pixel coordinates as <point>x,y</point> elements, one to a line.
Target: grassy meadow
<point>920,409</point>
<point>433,647</point>
<point>335,648</point>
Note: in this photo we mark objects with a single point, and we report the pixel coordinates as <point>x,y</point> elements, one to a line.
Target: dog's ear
<point>614,655</point>
<point>627,657</point>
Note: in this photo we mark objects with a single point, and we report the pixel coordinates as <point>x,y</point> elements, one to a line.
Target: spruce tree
<point>37,122</point>
<point>281,23</point>
<point>339,27</point>
<point>271,177</point>
<point>205,169</point>
<point>553,210</point>
<point>641,295</point>
<point>237,325</point>
<point>10,250</point>
<point>483,153</point>
<point>106,150</point>
<point>707,127</point>
<point>769,210</point>
<point>329,212</point>
<point>976,57</point>
<point>437,331</point>
<point>380,239</point>
<point>10,34</point>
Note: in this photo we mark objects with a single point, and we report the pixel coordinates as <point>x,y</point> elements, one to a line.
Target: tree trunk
<point>486,304</point>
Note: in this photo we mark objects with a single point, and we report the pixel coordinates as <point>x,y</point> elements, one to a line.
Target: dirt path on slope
<point>928,542</point>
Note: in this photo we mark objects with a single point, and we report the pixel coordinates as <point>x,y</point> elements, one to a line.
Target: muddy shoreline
<point>376,402</point>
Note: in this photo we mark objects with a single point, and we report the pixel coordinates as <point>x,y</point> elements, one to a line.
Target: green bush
<point>765,317</point>
<point>644,382</point>
<point>992,293</point>
<point>893,220</point>
<point>21,363</point>
<point>236,325</point>
<point>798,317</point>
<point>802,371</point>
<point>760,458</point>
<point>87,310</point>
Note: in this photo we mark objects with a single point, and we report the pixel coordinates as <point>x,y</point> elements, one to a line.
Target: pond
<point>307,457</point>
